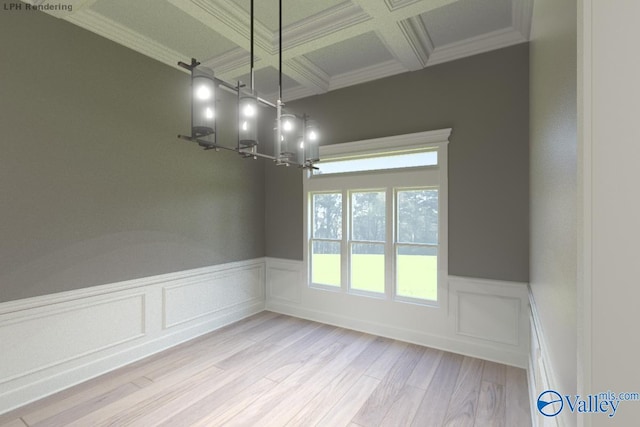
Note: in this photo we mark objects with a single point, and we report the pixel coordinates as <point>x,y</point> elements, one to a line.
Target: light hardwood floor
<point>275,370</point>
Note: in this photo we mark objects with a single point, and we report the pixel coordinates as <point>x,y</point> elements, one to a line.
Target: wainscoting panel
<point>488,318</point>
<point>207,294</point>
<point>52,342</point>
<point>50,336</point>
<point>283,280</point>
<point>491,313</point>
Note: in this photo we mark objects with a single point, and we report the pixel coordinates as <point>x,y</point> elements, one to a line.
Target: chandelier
<point>296,137</point>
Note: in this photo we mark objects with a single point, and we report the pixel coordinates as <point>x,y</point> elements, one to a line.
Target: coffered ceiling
<point>327,44</point>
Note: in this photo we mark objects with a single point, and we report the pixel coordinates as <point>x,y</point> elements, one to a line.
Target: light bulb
<point>245,126</point>
<point>313,136</point>
<point>208,113</point>
<point>287,126</point>
<point>249,110</point>
<point>203,92</point>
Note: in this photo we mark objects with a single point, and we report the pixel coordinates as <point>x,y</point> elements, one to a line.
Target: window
<point>367,241</point>
<point>377,227</point>
<point>326,238</point>
<point>416,245</point>
<point>383,162</point>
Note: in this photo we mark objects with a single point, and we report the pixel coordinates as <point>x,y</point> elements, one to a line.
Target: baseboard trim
<point>485,352</point>
<point>55,341</point>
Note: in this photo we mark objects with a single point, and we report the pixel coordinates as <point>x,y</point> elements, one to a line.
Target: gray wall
<point>553,70</point>
<point>485,100</point>
<point>94,186</point>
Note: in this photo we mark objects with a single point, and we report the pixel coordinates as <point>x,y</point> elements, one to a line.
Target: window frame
<point>390,181</point>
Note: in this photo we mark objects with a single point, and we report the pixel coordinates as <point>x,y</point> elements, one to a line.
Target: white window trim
<point>437,139</point>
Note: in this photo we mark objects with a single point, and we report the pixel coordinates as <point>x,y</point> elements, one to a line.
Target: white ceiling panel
<point>266,81</point>
<point>351,54</point>
<point>465,19</point>
<point>266,11</point>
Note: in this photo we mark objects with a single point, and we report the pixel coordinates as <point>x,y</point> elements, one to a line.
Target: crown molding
<point>397,4</point>
<point>386,143</point>
<point>337,18</point>
<point>472,46</point>
<point>297,92</point>
<point>521,15</point>
<point>105,27</point>
<point>228,61</point>
<point>362,75</point>
<point>311,73</point>
<point>418,37</point>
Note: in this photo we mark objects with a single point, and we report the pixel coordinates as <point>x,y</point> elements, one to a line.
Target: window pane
<point>393,161</point>
<point>368,216</point>
<point>367,267</point>
<point>325,263</point>
<point>327,216</point>
<point>418,216</point>
<point>417,272</point>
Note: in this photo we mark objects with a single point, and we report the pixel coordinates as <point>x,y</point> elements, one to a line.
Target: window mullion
<point>389,246</point>
<point>346,236</point>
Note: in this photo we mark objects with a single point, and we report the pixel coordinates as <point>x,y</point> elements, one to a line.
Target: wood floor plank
<point>17,422</point>
<point>285,408</point>
<point>218,413</point>
<point>297,359</point>
<point>262,331</point>
<point>491,405</point>
<point>346,408</point>
<point>464,400</point>
<point>425,369</point>
<point>255,414</point>
<point>383,364</point>
<point>235,381</point>
<point>494,372</point>
<point>404,409</point>
<point>385,395</point>
<point>433,407</point>
<point>147,399</point>
<point>316,409</point>
<point>517,406</point>
<point>63,418</point>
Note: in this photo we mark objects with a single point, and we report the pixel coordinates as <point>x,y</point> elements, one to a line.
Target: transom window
<point>378,232</point>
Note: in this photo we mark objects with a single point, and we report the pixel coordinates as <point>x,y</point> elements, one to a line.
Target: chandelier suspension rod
<point>279,49</point>
<point>252,74</point>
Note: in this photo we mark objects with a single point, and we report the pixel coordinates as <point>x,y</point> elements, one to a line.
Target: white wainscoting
<point>493,314</point>
<point>482,318</point>
<point>51,342</point>
<point>540,376</point>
